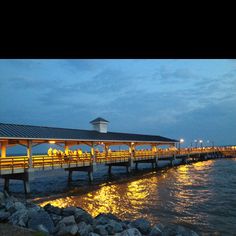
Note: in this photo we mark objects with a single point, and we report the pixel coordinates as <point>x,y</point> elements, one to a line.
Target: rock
<point>19,206</point>
<point>68,220</point>
<point>108,216</point>
<point>41,218</point>
<point>6,194</point>
<point>82,215</point>
<point>157,230</point>
<point>69,211</point>
<point>69,230</point>
<point>19,218</point>
<point>100,229</point>
<point>51,209</point>
<point>93,234</point>
<point>10,206</point>
<point>84,229</point>
<point>131,232</point>
<point>59,228</point>
<point>42,228</point>
<point>55,218</point>
<point>178,230</point>
<point>142,225</point>
<point>113,227</point>
<point>2,198</point>
<point>32,211</point>
<point>4,216</point>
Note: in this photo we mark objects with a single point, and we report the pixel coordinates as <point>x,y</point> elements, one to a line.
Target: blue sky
<point>190,99</point>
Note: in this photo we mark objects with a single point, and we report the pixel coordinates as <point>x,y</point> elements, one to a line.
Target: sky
<point>189,99</point>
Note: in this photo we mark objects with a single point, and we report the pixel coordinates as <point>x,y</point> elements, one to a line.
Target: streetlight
<point>195,141</point>
<point>180,141</point>
<point>200,141</point>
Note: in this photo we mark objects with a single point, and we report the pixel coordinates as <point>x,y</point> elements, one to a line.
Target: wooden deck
<point>19,164</point>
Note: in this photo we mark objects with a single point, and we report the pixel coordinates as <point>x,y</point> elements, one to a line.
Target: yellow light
<point>52,142</point>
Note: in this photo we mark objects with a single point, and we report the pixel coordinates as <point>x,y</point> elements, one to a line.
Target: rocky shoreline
<point>50,220</point>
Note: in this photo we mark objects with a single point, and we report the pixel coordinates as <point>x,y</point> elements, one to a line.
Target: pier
<point>160,149</point>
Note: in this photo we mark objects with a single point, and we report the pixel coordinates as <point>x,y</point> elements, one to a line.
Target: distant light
<point>52,142</point>
<point>200,141</point>
<point>132,143</point>
<point>102,143</point>
<point>181,140</point>
<point>195,140</point>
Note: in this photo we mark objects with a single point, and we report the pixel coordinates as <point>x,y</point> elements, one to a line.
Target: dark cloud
<point>167,74</point>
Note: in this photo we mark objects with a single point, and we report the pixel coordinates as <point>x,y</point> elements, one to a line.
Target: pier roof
<point>30,132</point>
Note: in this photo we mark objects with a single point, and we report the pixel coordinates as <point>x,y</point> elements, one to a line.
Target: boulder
<point>178,230</point>
<point>113,227</point>
<point>131,232</point>
<point>93,234</point>
<point>142,225</point>
<point>69,211</point>
<point>69,230</point>
<point>39,219</point>
<point>55,218</point>
<point>100,229</point>
<point>84,229</point>
<point>4,216</point>
<point>19,218</point>
<point>51,209</point>
<point>68,220</point>
<point>108,216</point>
<point>2,198</point>
<point>157,230</point>
<point>82,215</point>
<point>10,206</point>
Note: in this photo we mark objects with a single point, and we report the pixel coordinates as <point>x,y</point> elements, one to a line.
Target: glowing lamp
<point>52,142</point>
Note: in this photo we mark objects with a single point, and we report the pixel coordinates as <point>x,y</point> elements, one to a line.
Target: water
<point>200,196</point>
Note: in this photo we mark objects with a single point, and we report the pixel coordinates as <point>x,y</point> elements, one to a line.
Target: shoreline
<point>50,220</point>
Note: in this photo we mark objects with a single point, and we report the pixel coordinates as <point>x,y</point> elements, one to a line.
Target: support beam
<point>131,158</point>
<point>172,160</point>
<point>29,153</point>
<point>90,175</point>
<point>4,149</point>
<point>70,176</point>
<point>94,164</point>
<point>154,149</point>
<point>6,184</point>
<point>109,169</point>
<point>27,186</point>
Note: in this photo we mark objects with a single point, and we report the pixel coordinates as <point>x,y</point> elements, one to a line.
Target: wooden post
<point>27,186</point>
<point>4,149</point>
<point>109,169</point>
<point>29,153</point>
<point>172,160</point>
<point>6,184</point>
<point>93,163</point>
<point>66,148</point>
<point>131,158</point>
<point>154,149</point>
<point>106,147</point>
<point>69,176</point>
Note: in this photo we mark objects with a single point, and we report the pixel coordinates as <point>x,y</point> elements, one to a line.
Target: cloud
<point>179,74</point>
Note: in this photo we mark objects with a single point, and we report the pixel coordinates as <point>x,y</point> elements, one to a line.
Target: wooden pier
<point>19,167</point>
<point>157,149</point>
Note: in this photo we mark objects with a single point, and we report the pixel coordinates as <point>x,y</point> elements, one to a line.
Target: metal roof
<point>16,131</point>
<point>98,120</point>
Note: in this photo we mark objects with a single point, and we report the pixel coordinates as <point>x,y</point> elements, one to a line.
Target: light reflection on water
<point>197,195</point>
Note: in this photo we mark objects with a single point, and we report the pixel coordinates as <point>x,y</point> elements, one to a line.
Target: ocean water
<point>201,196</point>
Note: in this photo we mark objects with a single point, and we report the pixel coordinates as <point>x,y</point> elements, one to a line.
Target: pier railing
<point>17,164</point>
